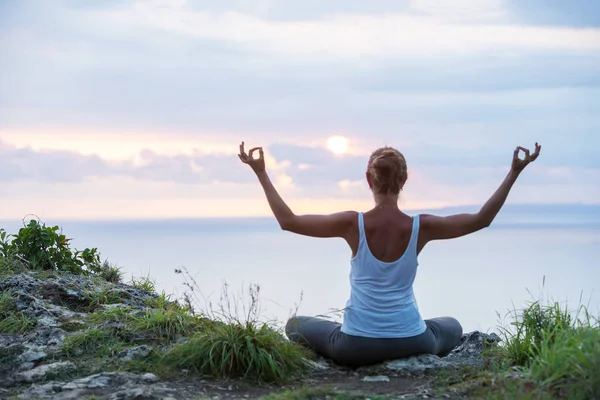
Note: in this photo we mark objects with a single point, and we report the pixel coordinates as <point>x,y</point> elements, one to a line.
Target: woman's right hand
<point>517,164</point>
<point>257,164</point>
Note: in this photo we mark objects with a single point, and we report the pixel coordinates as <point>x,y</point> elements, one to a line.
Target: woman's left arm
<point>324,226</point>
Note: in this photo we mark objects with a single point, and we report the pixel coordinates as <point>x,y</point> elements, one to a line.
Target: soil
<point>351,384</point>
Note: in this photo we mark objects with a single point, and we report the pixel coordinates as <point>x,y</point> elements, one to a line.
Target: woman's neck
<point>386,201</point>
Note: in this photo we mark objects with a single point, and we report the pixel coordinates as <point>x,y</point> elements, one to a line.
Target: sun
<point>337,144</point>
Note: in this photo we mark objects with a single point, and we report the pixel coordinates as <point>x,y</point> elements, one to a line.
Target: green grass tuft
<point>113,314</point>
<point>12,322</point>
<point>95,342</point>
<point>144,283</point>
<point>534,329</point>
<point>245,351</point>
<point>10,266</point>
<point>169,323</point>
<point>106,295</point>
<point>555,351</point>
<point>110,273</point>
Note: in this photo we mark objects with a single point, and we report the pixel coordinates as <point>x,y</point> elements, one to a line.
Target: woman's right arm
<point>437,228</point>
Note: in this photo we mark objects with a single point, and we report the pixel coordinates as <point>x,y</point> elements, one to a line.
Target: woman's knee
<point>453,327</point>
<point>291,328</point>
<point>448,332</point>
<point>298,328</point>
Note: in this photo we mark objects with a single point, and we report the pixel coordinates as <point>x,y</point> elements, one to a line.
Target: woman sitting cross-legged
<point>381,319</point>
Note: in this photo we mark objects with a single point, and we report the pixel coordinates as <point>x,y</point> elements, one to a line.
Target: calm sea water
<point>472,278</point>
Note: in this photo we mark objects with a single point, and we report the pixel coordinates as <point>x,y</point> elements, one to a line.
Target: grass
<point>113,314</point>
<point>111,330</point>
<point>104,295</point>
<point>93,342</point>
<point>144,283</point>
<point>110,273</point>
<point>236,343</point>
<point>229,343</point>
<point>232,349</point>
<point>12,322</point>
<point>533,330</point>
<point>323,393</point>
<point>168,324</point>
<point>11,266</point>
<point>303,393</point>
<point>236,350</point>
<point>553,351</point>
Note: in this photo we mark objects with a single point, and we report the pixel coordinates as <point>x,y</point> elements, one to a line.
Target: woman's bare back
<point>387,233</point>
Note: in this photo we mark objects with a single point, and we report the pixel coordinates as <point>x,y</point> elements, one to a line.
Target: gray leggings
<point>326,339</point>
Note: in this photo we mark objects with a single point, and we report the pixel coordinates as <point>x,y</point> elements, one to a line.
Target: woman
<point>381,319</point>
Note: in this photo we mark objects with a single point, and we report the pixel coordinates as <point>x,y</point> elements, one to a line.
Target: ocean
<point>529,253</point>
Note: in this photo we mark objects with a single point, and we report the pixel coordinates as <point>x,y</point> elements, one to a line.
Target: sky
<point>134,109</point>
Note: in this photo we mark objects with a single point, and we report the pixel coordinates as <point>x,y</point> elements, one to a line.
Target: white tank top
<point>382,303</point>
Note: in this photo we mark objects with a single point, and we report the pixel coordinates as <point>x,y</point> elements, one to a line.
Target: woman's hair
<point>388,171</point>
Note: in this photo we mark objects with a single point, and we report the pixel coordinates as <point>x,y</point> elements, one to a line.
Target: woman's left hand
<point>258,164</point>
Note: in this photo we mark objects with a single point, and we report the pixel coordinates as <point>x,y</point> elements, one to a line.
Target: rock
<point>135,353</point>
<point>149,378</point>
<point>31,356</point>
<point>515,375</point>
<point>318,365</point>
<point>468,352</point>
<point>26,366</point>
<point>46,337</point>
<point>9,355</point>
<point>62,303</point>
<point>418,363</point>
<point>141,393</point>
<point>44,371</point>
<point>380,378</point>
<point>115,385</point>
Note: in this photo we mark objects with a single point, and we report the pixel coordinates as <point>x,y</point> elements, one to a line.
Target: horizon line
<point>580,206</point>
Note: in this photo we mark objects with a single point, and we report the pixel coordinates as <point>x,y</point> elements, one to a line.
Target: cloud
<point>461,10</point>
<point>205,65</point>
<point>310,179</point>
<point>25,164</point>
<point>155,93</point>
<point>301,166</point>
<point>353,36</point>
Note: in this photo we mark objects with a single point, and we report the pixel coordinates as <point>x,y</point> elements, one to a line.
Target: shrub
<point>46,248</point>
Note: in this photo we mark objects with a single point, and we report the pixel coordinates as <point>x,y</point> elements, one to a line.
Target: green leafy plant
<point>5,245</point>
<point>47,248</point>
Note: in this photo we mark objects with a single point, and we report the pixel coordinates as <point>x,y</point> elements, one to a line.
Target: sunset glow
<point>337,144</point>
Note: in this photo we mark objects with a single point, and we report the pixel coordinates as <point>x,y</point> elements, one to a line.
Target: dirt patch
<point>350,387</point>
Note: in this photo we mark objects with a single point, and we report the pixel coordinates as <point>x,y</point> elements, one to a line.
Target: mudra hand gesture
<point>517,164</point>
<point>257,164</point>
